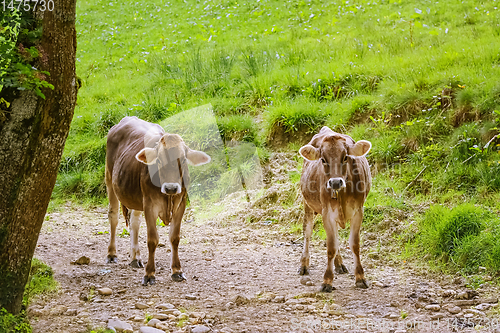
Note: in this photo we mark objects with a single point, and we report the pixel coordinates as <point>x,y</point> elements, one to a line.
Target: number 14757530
<point>27,5</point>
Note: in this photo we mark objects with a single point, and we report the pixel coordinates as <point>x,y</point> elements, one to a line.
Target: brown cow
<point>146,171</point>
<point>335,182</point>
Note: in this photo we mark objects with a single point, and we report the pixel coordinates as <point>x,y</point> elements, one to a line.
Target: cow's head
<point>334,152</point>
<point>171,156</point>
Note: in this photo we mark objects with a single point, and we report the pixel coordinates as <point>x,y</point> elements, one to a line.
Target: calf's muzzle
<point>170,188</point>
<point>335,185</point>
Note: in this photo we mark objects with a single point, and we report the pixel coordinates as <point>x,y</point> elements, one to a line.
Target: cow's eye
<point>345,159</point>
<point>323,160</point>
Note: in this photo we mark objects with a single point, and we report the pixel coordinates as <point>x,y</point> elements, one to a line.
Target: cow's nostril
<point>170,188</point>
<point>336,183</point>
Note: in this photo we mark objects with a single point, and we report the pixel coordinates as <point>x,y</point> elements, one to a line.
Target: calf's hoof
<point>148,280</point>
<point>303,270</point>
<point>178,277</point>
<point>327,288</point>
<point>136,263</point>
<point>112,259</point>
<point>362,284</point>
<point>341,269</point>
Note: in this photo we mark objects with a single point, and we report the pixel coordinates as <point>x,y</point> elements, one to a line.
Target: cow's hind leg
<point>153,239</point>
<point>339,266</point>
<point>135,254</point>
<point>354,244</point>
<point>114,206</point>
<point>307,229</point>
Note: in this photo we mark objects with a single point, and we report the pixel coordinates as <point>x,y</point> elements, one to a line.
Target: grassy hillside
<point>419,79</point>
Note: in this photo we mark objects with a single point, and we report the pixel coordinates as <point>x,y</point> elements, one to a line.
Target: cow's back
<point>123,171</point>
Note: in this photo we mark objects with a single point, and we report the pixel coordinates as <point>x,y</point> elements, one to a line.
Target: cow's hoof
<point>361,284</point>
<point>303,270</point>
<point>112,260</point>
<point>136,263</point>
<point>178,277</point>
<point>327,288</point>
<point>148,280</point>
<point>341,269</point>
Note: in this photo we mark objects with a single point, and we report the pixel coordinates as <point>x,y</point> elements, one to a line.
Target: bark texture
<point>31,144</point>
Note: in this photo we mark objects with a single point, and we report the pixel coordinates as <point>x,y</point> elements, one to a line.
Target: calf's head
<point>171,156</point>
<point>334,152</point>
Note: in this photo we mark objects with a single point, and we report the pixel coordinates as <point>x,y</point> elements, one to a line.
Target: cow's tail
<point>126,214</point>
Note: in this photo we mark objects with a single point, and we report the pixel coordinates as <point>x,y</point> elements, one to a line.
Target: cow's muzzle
<point>335,185</point>
<point>171,188</point>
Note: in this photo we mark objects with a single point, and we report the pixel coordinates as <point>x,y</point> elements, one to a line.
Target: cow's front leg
<point>307,229</point>
<point>114,205</point>
<point>153,239</point>
<point>354,244</point>
<point>332,246</point>
<point>135,253</point>
<point>175,237</point>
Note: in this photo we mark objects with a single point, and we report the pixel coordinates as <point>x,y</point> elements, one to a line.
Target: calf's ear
<point>147,156</point>
<point>196,157</point>
<point>309,152</point>
<point>361,148</point>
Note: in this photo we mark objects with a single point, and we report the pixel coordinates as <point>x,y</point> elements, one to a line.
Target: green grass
<point>238,128</point>
<point>466,237</point>
<point>41,280</point>
<point>288,68</point>
<point>100,330</point>
<point>300,114</point>
<point>14,324</point>
<point>417,79</point>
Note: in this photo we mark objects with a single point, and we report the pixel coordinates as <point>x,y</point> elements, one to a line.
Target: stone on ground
<point>200,329</point>
<point>146,329</point>
<point>240,299</point>
<point>120,326</point>
<point>160,316</point>
<point>105,291</point>
<point>165,306</point>
<point>153,322</point>
<point>141,306</point>
<point>83,260</point>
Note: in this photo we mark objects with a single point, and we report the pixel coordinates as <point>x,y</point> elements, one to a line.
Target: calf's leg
<point>113,209</point>
<point>135,254</point>
<point>175,237</point>
<point>307,230</point>
<point>153,240</point>
<point>332,246</point>
<point>339,266</point>
<point>354,244</point>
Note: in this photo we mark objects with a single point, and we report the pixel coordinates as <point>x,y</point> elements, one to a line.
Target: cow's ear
<point>309,153</point>
<point>147,156</point>
<point>361,148</point>
<point>196,157</point>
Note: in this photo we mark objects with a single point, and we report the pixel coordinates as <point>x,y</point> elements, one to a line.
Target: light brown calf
<point>335,182</point>
<point>146,171</point>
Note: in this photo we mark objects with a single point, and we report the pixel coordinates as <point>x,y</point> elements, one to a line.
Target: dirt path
<point>236,273</point>
<point>241,265</point>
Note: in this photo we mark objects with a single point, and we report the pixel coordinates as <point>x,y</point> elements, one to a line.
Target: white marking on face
<point>167,188</point>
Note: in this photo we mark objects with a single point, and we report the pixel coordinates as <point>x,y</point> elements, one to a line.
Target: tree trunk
<point>31,144</point>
